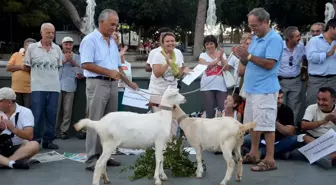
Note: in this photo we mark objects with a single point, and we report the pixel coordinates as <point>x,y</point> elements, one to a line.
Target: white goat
<point>134,131</point>
<point>224,133</point>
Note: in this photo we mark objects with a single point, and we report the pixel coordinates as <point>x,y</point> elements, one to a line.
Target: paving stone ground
<point>68,172</point>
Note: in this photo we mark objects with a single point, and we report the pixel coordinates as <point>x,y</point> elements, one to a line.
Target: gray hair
<point>104,14</point>
<point>288,33</point>
<point>29,40</point>
<point>319,24</point>
<point>260,13</point>
<point>47,24</point>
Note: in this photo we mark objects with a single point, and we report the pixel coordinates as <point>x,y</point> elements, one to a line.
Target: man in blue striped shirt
<point>101,62</point>
<point>321,58</point>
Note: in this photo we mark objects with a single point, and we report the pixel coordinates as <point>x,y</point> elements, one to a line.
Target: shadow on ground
<point>73,173</point>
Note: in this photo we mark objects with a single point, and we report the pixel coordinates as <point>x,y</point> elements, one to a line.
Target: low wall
<point>193,100</point>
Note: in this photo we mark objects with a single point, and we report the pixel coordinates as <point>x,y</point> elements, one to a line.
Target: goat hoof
<point>163,177</point>
<point>107,182</point>
<point>198,177</point>
<point>238,178</point>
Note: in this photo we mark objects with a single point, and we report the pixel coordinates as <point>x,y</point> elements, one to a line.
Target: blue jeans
<point>44,108</point>
<point>285,145</point>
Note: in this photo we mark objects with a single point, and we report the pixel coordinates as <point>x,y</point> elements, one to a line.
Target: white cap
<point>67,39</point>
<point>7,93</point>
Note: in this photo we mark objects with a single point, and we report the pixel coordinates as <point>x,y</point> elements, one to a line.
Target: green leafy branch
<point>176,159</point>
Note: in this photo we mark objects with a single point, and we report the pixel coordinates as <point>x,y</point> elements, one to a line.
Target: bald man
<point>317,28</point>
<point>43,59</point>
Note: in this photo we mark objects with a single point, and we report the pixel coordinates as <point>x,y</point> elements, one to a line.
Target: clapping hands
<point>331,117</point>
<point>241,52</point>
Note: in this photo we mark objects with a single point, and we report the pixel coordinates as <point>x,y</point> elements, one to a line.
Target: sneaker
<point>21,164</point>
<point>64,136</point>
<point>112,162</point>
<point>325,163</point>
<point>295,155</point>
<point>51,146</point>
<point>81,135</point>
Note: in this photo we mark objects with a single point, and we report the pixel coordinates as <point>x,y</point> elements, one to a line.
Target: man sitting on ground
<point>20,127</point>
<point>319,118</point>
<point>285,138</point>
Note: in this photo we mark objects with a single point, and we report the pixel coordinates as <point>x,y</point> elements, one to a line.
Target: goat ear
<point>174,106</point>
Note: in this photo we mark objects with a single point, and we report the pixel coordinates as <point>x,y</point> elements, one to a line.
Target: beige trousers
<point>102,98</point>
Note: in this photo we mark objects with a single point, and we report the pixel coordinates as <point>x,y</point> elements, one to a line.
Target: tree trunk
<point>199,27</point>
<point>73,13</point>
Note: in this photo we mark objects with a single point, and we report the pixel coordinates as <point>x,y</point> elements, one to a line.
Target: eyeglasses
<point>291,61</point>
<point>315,31</point>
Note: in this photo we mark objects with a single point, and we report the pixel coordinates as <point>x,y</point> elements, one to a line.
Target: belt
<point>102,78</point>
<point>287,78</point>
<point>320,76</point>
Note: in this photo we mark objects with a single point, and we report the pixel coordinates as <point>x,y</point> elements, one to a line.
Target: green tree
<point>28,13</point>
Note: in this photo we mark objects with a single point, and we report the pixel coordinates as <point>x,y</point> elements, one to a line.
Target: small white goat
<point>224,133</point>
<point>134,131</point>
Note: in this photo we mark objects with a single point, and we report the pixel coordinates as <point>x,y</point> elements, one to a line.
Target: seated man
<point>285,138</point>
<point>319,119</point>
<point>19,128</point>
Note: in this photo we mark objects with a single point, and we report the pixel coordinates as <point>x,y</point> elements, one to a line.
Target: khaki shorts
<point>262,109</point>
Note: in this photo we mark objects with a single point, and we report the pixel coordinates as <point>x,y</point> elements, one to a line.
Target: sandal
<point>248,159</point>
<point>264,166</point>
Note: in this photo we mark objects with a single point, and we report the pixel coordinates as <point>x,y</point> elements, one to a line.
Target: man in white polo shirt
<point>319,118</point>
<point>19,129</point>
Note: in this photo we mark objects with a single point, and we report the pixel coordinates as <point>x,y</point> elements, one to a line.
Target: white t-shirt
<point>159,85</point>
<point>234,62</point>
<point>128,72</point>
<point>314,113</point>
<point>178,53</point>
<point>209,83</point>
<point>234,114</point>
<point>25,119</point>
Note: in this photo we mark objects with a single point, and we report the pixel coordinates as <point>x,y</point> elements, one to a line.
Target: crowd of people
<point>271,74</point>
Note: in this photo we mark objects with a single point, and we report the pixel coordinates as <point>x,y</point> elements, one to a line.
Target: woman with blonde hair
<point>166,67</point>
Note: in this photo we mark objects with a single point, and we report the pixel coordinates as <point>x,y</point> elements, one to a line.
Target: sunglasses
<point>291,61</point>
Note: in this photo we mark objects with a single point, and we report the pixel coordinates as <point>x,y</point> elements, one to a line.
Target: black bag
<point>6,144</point>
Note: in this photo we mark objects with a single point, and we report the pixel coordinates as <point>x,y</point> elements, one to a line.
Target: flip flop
<point>248,159</point>
<point>264,166</point>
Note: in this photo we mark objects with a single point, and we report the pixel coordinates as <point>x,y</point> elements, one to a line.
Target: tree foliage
<point>285,13</point>
<point>28,13</point>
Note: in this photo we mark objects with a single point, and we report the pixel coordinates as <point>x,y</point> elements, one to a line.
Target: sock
<point>10,164</point>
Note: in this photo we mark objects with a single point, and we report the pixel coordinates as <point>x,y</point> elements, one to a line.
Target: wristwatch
<point>249,56</point>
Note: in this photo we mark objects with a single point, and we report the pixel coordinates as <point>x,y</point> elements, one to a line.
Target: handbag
<point>6,143</point>
<point>242,93</point>
<point>214,71</point>
<point>229,79</point>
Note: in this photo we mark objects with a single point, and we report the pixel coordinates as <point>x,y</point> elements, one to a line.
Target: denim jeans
<point>285,145</point>
<point>44,108</point>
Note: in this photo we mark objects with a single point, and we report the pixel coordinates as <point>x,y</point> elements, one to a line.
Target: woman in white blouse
<point>167,67</point>
<point>213,89</point>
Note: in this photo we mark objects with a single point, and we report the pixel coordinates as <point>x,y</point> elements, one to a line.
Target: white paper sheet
<point>48,157</point>
<point>320,147</point>
<point>136,98</point>
<point>190,150</point>
<point>79,157</point>
<point>196,72</point>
